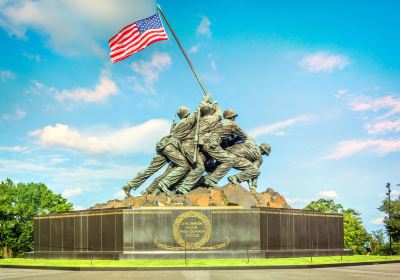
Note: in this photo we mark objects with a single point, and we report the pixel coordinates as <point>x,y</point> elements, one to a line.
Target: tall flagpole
<point>183,51</point>
<point>196,138</point>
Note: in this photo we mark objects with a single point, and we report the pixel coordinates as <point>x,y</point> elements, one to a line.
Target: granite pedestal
<point>187,232</point>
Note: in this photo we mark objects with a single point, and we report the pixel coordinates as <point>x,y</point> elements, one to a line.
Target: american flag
<point>135,37</point>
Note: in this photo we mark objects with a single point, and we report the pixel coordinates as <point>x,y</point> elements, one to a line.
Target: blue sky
<point>318,80</point>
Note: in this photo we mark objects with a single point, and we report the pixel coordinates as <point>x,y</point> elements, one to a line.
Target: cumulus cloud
<point>204,27</point>
<point>379,147</point>
<point>324,62</point>
<point>119,195</point>
<point>276,128</point>
<point>134,139</point>
<point>102,177</point>
<point>150,71</point>
<point>328,194</point>
<point>378,220</point>
<point>17,115</point>
<point>68,193</point>
<point>103,90</point>
<point>363,103</point>
<point>72,26</point>
<point>6,75</point>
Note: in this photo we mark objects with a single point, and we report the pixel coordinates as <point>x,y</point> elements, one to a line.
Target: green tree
<point>392,224</point>
<point>355,235</point>
<point>19,203</point>
<point>377,241</point>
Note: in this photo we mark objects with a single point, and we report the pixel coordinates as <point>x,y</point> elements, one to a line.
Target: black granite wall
<point>115,232</point>
<point>79,231</point>
<point>283,229</point>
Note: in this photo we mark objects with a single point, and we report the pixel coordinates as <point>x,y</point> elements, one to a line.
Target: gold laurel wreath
<point>192,245</point>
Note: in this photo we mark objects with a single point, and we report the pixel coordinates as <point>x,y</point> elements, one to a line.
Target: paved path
<point>383,271</point>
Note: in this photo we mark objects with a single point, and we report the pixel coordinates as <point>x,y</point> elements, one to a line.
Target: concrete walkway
<point>382,271</point>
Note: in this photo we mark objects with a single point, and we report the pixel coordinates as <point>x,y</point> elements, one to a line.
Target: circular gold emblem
<point>192,230</point>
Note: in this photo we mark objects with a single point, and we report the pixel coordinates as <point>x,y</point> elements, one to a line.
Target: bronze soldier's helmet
<point>207,110</point>
<point>266,148</point>
<point>182,112</point>
<point>229,113</point>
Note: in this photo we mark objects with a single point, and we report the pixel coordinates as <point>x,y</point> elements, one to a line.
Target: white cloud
<point>276,128</point>
<point>386,122</point>
<point>149,71</point>
<point>72,26</point>
<point>14,149</point>
<point>383,127</point>
<point>378,220</point>
<point>298,200</point>
<point>6,75</point>
<point>194,49</point>
<point>382,116</point>
<point>301,202</point>
<point>363,103</point>
<point>323,62</point>
<point>204,27</point>
<point>119,195</point>
<point>134,139</point>
<point>395,193</point>
<point>90,179</point>
<point>68,193</point>
<point>379,147</point>
<point>328,194</point>
<point>103,90</point>
<point>17,115</point>
<point>79,208</point>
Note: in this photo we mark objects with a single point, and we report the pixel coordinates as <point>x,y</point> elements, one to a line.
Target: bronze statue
<point>196,137</point>
<point>247,157</point>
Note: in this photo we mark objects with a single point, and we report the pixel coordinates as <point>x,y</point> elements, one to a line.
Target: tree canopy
<point>19,203</point>
<point>392,223</point>
<point>355,235</point>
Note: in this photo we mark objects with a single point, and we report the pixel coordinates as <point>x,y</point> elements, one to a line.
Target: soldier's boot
<point>127,190</point>
<point>234,180</point>
<point>144,192</point>
<point>182,190</point>
<point>164,188</point>
<point>210,183</point>
<point>253,188</point>
<point>253,185</point>
<point>156,192</point>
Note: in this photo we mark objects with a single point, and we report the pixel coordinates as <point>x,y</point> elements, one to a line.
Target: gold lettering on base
<point>192,230</point>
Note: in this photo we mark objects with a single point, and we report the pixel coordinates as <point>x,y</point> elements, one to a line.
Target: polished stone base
<point>188,232</point>
<point>168,255</point>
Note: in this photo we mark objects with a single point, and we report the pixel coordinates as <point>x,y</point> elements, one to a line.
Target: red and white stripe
<point>129,41</point>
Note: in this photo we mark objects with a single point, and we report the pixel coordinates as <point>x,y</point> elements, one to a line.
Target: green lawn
<point>195,263</point>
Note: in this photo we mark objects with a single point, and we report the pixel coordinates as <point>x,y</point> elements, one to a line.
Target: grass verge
<point>195,263</point>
